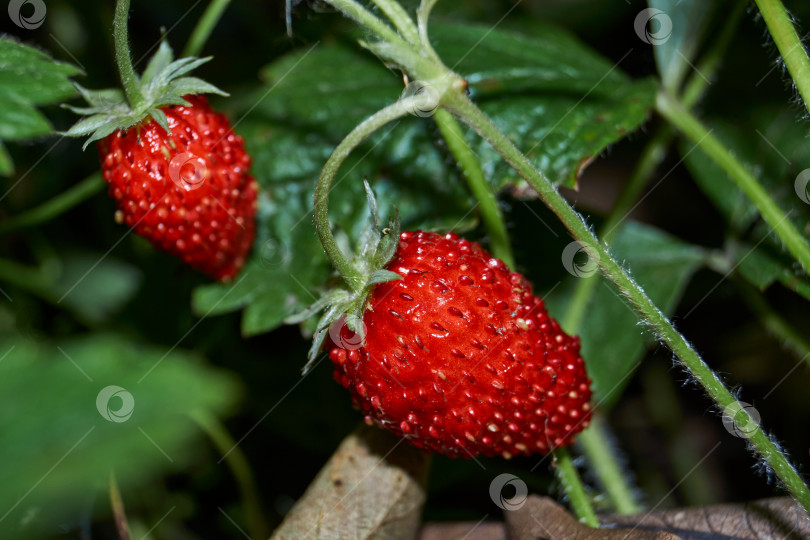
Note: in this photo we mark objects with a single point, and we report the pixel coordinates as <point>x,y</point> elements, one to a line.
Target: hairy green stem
<point>202,31</point>
<point>238,464</point>
<point>593,441</point>
<point>350,275</point>
<point>651,157</point>
<point>790,45</point>
<point>53,207</point>
<point>601,456</point>
<point>481,189</point>
<point>355,11</point>
<point>123,59</point>
<point>400,18</point>
<point>573,488</point>
<point>671,109</point>
<point>702,373</point>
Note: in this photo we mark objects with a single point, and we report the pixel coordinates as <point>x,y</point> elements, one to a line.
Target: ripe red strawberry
<point>177,172</point>
<point>460,357</point>
<point>188,193</point>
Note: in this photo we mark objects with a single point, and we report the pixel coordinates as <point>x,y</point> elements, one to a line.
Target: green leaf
<point>95,289</point>
<point>612,339</point>
<point>290,140</point>
<point>677,28</point>
<point>762,270</point>
<point>28,78</point>
<point>772,144</point>
<point>59,449</point>
<point>91,286</point>
<point>560,102</point>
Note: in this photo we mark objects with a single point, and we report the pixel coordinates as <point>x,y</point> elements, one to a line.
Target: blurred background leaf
<point>59,449</point>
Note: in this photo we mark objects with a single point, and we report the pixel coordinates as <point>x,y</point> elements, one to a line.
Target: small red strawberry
<point>188,193</point>
<point>177,172</point>
<point>460,358</point>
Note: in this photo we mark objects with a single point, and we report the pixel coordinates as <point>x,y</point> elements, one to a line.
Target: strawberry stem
<point>351,275</point>
<point>674,111</point>
<point>783,32</point>
<point>481,189</point>
<point>708,379</point>
<point>594,441</point>
<point>204,27</point>
<point>400,18</point>
<point>573,487</point>
<point>123,59</point>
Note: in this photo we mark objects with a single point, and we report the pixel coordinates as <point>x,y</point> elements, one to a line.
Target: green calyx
<point>345,305</point>
<point>162,83</point>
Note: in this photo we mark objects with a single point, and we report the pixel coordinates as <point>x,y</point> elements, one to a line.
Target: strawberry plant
<point>407,271</point>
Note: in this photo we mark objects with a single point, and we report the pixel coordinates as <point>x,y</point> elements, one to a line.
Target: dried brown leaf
<point>775,519</point>
<point>373,487</point>
<point>540,518</point>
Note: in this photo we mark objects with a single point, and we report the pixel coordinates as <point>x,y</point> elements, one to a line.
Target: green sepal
<point>375,249</point>
<point>162,84</point>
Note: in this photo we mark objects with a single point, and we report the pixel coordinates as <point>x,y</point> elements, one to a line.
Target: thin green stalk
<point>119,514</point>
<point>774,323</point>
<point>123,59</point>
<point>400,18</point>
<point>354,10</point>
<point>651,157</point>
<point>594,441</point>
<point>573,488</point>
<point>205,25</point>
<point>612,477</point>
<point>238,464</point>
<point>55,206</point>
<point>481,189</point>
<point>703,374</point>
<point>790,45</point>
<point>671,109</point>
<point>358,135</point>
